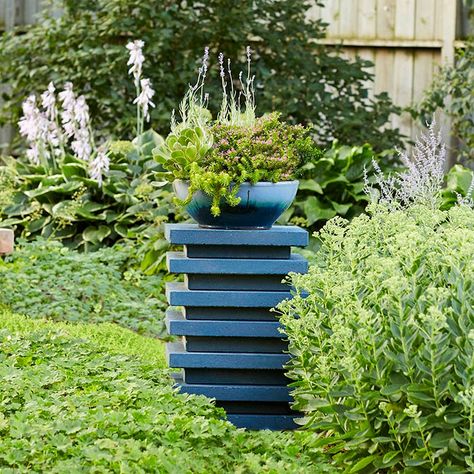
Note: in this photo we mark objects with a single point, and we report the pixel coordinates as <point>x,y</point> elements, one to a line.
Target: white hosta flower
<point>81,144</point>
<point>67,96</point>
<point>144,99</point>
<point>37,130</point>
<point>99,166</point>
<point>68,100</point>
<point>48,101</point>
<point>81,112</point>
<point>30,122</point>
<point>33,154</point>
<point>136,58</point>
<point>75,119</point>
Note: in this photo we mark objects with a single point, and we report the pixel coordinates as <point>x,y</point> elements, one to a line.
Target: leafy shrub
<point>297,76</point>
<point>68,406</point>
<point>383,348</point>
<point>67,205</point>
<point>452,91</point>
<point>459,187</point>
<point>332,184</point>
<point>46,280</point>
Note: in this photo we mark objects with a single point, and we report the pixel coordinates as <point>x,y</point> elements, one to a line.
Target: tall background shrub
<point>295,75</point>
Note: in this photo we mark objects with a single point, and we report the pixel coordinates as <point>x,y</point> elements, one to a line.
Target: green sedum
<point>383,348</point>
<point>218,158</point>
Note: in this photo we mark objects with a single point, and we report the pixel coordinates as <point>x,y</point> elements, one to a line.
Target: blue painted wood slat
<point>178,357</point>
<point>192,234</point>
<point>179,326</point>
<point>235,376</point>
<point>178,295</point>
<point>258,393</point>
<point>234,251</point>
<point>178,263</point>
<point>229,314</point>
<point>264,422</point>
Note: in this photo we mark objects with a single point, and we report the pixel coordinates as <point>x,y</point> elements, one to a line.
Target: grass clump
<point>44,279</point>
<point>69,405</point>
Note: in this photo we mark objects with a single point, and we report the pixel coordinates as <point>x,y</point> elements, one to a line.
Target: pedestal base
<point>231,347</point>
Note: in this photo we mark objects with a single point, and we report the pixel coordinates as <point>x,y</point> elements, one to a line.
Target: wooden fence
<point>407,40</point>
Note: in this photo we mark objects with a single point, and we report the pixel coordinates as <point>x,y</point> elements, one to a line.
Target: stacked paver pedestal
<point>231,348</point>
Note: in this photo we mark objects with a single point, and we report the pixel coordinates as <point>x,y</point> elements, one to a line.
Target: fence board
<point>330,14</point>
<point>405,19</point>
<point>348,19</point>
<point>386,19</point>
<point>367,19</point>
<point>425,19</point>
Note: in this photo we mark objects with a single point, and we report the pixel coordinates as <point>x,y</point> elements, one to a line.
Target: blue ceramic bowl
<point>261,204</point>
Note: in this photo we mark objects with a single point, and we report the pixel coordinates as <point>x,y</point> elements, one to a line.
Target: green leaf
<point>72,170</point>
<point>96,234</point>
<point>37,224</point>
<point>310,185</point>
<point>363,463</point>
<point>315,210</point>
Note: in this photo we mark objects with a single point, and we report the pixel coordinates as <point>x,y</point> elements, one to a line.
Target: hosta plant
<point>217,156</point>
<point>332,184</point>
<point>459,187</point>
<point>69,188</point>
<point>70,206</point>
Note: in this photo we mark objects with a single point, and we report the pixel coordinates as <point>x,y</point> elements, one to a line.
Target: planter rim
<point>258,183</point>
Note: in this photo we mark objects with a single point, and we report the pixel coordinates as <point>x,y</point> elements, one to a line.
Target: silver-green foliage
<point>383,346</point>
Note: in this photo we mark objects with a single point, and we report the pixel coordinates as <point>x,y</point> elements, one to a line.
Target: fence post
<point>6,241</point>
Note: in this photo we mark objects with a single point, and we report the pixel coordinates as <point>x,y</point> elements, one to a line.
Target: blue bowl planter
<point>261,204</point>
<point>231,346</point>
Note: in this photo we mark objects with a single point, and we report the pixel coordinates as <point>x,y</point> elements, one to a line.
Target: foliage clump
<point>303,79</point>
<point>68,406</point>
<point>383,346</point>
<point>333,184</point>
<point>46,280</point>
<point>452,91</point>
<point>64,203</point>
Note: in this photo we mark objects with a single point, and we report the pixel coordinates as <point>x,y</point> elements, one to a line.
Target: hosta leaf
<point>73,170</point>
<point>459,179</point>
<point>85,214</point>
<point>341,209</point>
<point>310,185</point>
<point>36,225</point>
<point>65,188</point>
<point>315,210</point>
<point>95,235</point>
<point>121,229</point>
